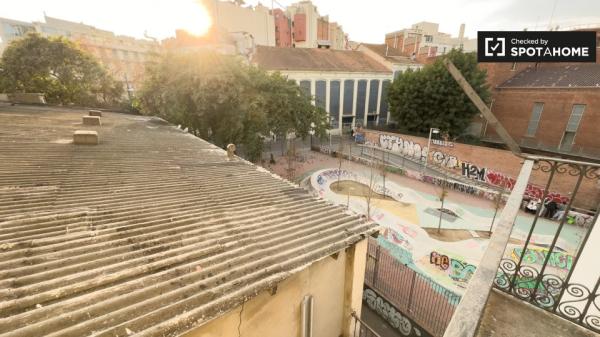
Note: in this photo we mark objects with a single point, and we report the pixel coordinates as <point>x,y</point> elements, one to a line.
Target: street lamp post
<point>431,131</point>
<point>312,133</point>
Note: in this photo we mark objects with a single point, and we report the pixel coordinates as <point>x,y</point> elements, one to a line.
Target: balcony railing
<point>574,294</point>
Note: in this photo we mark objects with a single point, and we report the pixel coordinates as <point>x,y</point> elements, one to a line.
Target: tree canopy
<point>431,98</point>
<point>224,100</point>
<point>59,69</point>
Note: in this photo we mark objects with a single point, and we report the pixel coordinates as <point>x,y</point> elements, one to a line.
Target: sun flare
<point>193,17</point>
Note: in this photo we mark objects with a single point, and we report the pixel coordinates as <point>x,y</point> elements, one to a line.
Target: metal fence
<point>421,299</point>
<point>360,328</point>
<point>573,293</point>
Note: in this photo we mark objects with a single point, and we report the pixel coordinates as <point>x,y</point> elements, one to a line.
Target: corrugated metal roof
<point>315,59</point>
<point>152,232</point>
<point>583,75</point>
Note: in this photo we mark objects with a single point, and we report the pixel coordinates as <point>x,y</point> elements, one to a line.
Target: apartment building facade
<point>124,57</point>
<point>232,17</point>
<point>301,26</point>
<point>425,39</point>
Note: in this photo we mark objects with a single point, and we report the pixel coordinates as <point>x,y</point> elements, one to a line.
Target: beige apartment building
<point>124,57</point>
<point>301,26</point>
<point>231,17</point>
<point>425,39</point>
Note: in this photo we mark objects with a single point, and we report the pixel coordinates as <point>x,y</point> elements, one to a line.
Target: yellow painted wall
<point>335,295</point>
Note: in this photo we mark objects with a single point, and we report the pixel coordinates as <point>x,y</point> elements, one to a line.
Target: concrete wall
<point>497,167</point>
<point>335,284</point>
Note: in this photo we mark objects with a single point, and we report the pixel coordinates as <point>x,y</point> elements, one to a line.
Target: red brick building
<point>548,107</point>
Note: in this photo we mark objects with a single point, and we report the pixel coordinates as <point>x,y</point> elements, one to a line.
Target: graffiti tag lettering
<point>557,259</point>
<point>387,311</point>
<point>457,270</point>
<point>405,147</point>
<point>473,172</point>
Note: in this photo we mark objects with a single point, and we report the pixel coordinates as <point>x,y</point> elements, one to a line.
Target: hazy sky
<point>364,20</point>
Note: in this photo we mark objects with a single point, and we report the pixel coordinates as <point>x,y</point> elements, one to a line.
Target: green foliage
<point>431,98</point>
<point>223,100</point>
<point>59,69</point>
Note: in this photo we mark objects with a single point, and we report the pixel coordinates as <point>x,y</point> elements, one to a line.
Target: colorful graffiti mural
<point>458,271</point>
<point>558,259</point>
<point>501,180</point>
<point>417,151</point>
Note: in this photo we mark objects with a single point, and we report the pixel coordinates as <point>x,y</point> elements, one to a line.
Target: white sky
<point>363,20</point>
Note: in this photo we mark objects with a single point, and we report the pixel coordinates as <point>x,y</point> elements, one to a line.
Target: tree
<point>431,98</point>
<point>59,69</point>
<point>223,100</point>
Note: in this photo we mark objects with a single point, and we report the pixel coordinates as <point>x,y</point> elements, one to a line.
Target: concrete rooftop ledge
<point>507,316</point>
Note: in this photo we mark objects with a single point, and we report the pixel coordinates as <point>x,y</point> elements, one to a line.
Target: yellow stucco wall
<point>334,292</point>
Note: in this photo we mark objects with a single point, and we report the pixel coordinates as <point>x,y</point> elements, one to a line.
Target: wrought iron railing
<point>560,294</point>
<point>574,298</point>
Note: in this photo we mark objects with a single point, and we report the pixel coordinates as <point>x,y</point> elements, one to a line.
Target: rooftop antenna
<point>552,14</point>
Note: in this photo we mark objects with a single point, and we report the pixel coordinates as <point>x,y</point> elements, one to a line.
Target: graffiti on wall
<point>532,191</point>
<point>414,150</point>
<point>444,159</point>
<point>393,316</point>
<point>473,172</point>
<point>404,146</point>
<point>501,180</point>
<point>458,271</point>
<point>558,259</point>
<point>442,142</point>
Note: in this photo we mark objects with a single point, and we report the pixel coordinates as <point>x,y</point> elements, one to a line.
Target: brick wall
<point>492,165</point>
<point>513,107</point>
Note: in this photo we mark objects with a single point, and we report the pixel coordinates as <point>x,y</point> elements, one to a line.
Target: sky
<point>364,21</point>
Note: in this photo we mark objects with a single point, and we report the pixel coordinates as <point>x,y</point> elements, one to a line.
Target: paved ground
<point>312,161</point>
<point>378,324</point>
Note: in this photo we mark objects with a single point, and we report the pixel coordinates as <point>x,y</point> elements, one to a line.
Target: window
<point>397,74</point>
<point>428,38</point>
<point>320,94</point>
<point>373,93</point>
<point>536,115</point>
<point>334,100</point>
<point>305,87</point>
<point>361,97</point>
<point>572,125</point>
<point>384,104</point>
<point>348,97</point>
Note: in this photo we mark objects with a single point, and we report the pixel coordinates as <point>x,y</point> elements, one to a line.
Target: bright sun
<point>192,17</point>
